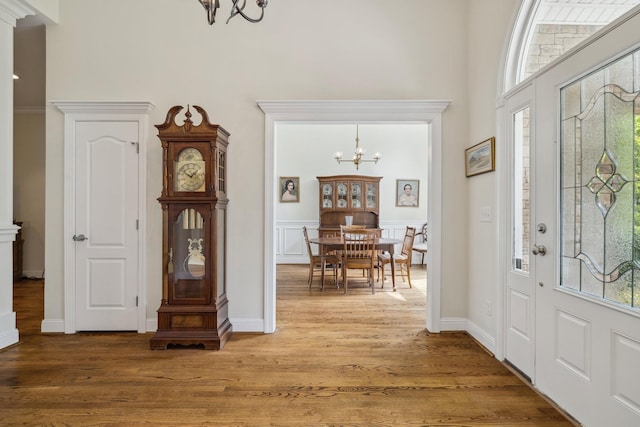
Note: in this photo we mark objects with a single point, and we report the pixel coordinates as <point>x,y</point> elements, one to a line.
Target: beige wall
<point>489,30</point>
<point>163,51</point>
<point>29,187</point>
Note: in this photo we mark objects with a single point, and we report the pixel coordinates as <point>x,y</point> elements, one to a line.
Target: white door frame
<point>410,111</point>
<point>101,111</point>
<point>521,97</point>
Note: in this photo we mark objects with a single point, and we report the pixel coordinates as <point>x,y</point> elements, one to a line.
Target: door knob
<point>539,250</point>
<point>80,238</point>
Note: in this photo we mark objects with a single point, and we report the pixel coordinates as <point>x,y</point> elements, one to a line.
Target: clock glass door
<point>188,253</point>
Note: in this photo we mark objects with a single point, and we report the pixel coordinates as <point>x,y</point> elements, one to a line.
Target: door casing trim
<point>378,111</point>
<point>75,112</point>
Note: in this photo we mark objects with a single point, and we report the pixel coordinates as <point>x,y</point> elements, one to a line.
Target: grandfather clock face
<point>189,171</point>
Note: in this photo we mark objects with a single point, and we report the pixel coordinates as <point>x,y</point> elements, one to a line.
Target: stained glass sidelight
<point>600,183</point>
<point>521,210</point>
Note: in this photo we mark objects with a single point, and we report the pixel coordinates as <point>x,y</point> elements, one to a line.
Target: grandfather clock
<point>194,307</point>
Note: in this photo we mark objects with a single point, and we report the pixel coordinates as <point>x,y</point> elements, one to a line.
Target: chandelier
<point>357,154</point>
<point>211,6</point>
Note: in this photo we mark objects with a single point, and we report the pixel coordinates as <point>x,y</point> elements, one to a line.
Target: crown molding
<point>12,10</point>
<point>104,107</point>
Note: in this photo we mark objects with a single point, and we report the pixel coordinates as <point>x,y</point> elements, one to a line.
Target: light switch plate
<point>485,214</point>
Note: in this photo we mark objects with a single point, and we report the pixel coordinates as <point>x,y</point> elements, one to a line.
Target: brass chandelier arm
<point>357,161</point>
<point>357,154</point>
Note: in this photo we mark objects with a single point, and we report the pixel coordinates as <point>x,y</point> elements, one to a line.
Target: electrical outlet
<point>488,307</point>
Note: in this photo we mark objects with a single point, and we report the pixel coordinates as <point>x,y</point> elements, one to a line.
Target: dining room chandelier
<point>211,6</point>
<point>358,154</point>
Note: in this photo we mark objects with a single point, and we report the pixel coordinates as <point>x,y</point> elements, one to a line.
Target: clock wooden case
<point>194,306</point>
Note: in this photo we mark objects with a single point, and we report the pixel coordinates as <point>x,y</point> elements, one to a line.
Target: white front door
<point>106,222</point>
<point>587,285</point>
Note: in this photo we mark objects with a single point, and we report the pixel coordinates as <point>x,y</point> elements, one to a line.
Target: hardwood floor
<point>350,360</point>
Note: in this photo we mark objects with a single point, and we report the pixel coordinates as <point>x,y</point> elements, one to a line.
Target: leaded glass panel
<point>522,194</point>
<point>600,183</point>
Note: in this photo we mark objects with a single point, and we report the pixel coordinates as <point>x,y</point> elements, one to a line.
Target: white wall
<point>306,151</point>
<point>163,51</point>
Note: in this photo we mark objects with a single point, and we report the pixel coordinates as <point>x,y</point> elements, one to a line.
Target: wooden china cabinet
<point>194,307</point>
<point>348,195</point>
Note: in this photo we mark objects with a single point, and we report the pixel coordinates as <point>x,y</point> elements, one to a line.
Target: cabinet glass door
<point>356,195</point>
<point>372,197</point>
<point>327,195</point>
<point>342,189</point>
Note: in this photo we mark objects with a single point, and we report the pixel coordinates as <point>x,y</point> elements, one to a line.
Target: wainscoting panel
<point>291,248</point>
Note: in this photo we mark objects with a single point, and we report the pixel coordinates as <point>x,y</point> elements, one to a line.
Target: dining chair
<point>344,228</point>
<point>420,243</point>
<point>401,259</point>
<point>315,261</point>
<point>359,252</point>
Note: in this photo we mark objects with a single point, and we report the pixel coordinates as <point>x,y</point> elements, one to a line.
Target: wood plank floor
<point>349,360</point>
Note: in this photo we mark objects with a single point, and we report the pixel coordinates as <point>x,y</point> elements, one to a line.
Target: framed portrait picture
<point>289,189</point>
<point>480,158</point>
<point>407,191</point>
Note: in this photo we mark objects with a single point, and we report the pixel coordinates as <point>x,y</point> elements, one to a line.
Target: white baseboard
<point>52,326</point>
<point>33,274</point>
<point>238,325</point>
<point>247,325</point>
<point>257,325</point>
<point>453,324</point>
<point>483,337</point>
<point>8,338</point>
<point>461,324</point>
<point>151,324</point>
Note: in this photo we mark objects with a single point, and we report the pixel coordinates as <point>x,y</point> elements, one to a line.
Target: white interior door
<point>588,283</point>
<point>520,292</point>
<point>106,223</point>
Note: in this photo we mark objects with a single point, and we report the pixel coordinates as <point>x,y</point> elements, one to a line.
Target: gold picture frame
<point>407,192</point>
<point>289,195</point>
<point>480,158</point>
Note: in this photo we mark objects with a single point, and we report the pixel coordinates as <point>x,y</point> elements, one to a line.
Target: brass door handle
<point>539,250</point>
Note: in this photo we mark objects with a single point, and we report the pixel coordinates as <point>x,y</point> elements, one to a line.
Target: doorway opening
<point>427,112</point>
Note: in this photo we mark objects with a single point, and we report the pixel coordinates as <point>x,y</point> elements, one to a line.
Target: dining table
<point>336,243</point>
